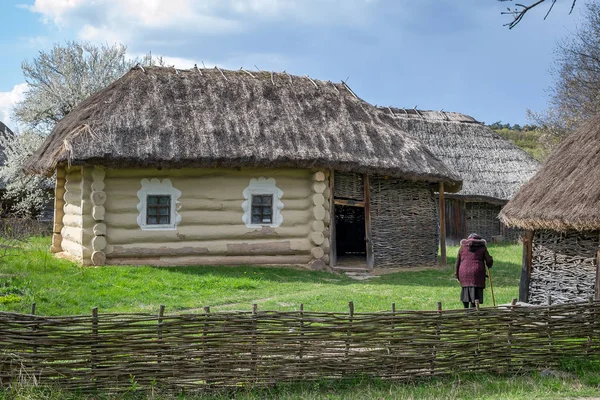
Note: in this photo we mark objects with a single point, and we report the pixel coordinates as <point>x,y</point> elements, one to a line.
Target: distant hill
<point>526,137</point>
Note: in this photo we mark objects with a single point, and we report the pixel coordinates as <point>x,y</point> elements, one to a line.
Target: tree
<point>58,80</point>
<point>519,10</point>
<point>575,94</point>
<point>61,78</point>
<point>27,195</point>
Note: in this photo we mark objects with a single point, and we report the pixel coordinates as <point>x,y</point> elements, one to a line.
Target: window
<point>262,206</point>
<point>158,210</point>
<point>158,206</point>
<point>262,209</point>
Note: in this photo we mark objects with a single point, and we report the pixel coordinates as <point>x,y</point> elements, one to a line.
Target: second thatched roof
<point>162,117</point>
<point>491,167</point>
<point>565,194</point>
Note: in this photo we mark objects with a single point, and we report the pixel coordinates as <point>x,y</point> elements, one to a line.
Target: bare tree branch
<point>519,10</point>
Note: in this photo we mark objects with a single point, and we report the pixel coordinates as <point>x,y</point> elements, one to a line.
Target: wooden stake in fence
<point>94,337</point>
<point>301,330</point>
<point>161,313</point>
<point>393,342</point>
<point>513,303</point>
<point>351,315</point>
<point>438,329</point>
<point>253,345</point>
<point>205,345</point>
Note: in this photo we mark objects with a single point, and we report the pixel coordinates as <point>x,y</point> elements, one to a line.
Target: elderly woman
<point>471,261</point>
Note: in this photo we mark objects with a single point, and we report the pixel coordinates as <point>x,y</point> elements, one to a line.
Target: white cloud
<point>8,101</point>
<point>127,20</point>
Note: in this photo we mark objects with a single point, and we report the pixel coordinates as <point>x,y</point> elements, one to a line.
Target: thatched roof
<point>492,168</point>
<point>162,117</point>
<point>565,193</point>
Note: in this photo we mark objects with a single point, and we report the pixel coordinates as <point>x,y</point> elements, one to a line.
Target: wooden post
<point>513,303</point>
<point>443,260</point>
<point>368,235</point>
<point>253,352</point>
<point>437,338</point>
<point>94,337</point>
<point>393,339</point>
<point>332,236</point>
<point>205,364</point>
<point>526,267</point>
<point>161,313</point>
<point>597,294</point>
<point>34,329</point>
<point>301,331</point>
<point>351,315</point>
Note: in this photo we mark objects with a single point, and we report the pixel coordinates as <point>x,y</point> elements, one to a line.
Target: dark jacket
<point>472,258</point>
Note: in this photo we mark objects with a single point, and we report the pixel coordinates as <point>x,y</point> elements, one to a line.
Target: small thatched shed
<point>492,168</point>
<point>560,208</point>
<point>190,167</point>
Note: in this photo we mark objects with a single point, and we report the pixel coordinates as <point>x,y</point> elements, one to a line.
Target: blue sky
<point>454,55</point>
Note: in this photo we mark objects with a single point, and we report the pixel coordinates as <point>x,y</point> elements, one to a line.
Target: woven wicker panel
<point>482,218</point>
<point>563,266</point>
<point>404,223</point>
<point>511,234</point>
<point>349,186</point>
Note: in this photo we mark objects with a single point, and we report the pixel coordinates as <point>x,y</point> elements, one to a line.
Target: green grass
<point>468,386</point>
<point>60,287</point>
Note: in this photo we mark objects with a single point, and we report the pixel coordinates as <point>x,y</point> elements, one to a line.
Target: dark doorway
<point>350,234</point>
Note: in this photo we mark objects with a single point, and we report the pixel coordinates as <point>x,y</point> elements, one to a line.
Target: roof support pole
<point>368,235</point>
<point>526,269</point>
<point>442,226</point>
<point>332,234</point>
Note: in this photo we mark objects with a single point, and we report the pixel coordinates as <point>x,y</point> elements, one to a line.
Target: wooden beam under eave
<point>443,261</point>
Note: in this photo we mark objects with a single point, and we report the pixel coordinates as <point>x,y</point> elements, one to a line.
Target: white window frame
<point>156,187</point>
<point>262,186</point>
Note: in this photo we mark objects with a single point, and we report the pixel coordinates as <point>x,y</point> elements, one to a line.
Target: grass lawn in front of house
<point>60,287</point>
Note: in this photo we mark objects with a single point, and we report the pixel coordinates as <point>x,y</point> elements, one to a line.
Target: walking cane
<point>491,287</point>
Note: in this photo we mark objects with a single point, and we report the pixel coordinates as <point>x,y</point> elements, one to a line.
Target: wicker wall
<point>349,186</point>
<point>482,218</point>
<point>563,266</point>
<point>404,223</point>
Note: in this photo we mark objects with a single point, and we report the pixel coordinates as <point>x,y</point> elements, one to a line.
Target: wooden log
<point>299,260</point>
<point>317,252</point>
<point>346,202</point>
<point>56,246</point>
<point>319,187</point>
<point>98,198</point>
<point>98,243</point>
<point>226,233</point>
<point>98,258</point>
<point>72,209</point>
<point>72,234</point>
<point>320,176</point>
<point>368,231</point>
<point>318,226</point>
<point>318,199</point>
<point>99,229</point>
<point>73,248</point>
<point>442,209</point>
<point>317,238</point>
<point>98,213</point>
<point>319,213</point>
<point>72,220</point>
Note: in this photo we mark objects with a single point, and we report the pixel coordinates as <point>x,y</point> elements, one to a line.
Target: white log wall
<point>211,229</point>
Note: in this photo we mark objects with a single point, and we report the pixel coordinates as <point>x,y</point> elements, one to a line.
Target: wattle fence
<point>256,348</point>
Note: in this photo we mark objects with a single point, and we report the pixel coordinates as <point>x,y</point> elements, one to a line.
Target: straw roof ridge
<point>163,117</point>
<point>565,193</point>
<point>491,167</point>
